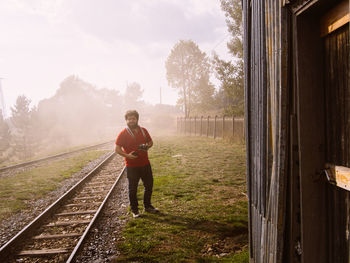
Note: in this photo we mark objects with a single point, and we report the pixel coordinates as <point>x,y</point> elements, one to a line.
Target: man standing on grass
<point>133,143</point>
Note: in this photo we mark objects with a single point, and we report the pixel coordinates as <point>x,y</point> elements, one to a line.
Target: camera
<point>143,147</point>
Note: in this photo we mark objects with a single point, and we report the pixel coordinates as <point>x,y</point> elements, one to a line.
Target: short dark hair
<point>131,113</point>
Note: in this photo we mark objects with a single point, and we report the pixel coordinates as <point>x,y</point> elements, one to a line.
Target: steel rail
<point>7,248</point>
<point>81,240</point>
<point>5,168</point>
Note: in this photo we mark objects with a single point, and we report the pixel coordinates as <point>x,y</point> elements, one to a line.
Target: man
<point>133,143</point>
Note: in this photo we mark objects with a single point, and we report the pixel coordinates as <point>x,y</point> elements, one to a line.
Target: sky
<point>107,43</point>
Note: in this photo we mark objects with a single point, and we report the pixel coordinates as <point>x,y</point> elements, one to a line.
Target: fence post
<point>201,126</point>
<point>191,125</point>
<point>233,126</point>
<point>183,125</point>
<point>195,125</point>
<point>243,128</point>
<point>215,126</point>
<point>223,126</point>
<point>177,124</point>
<point>180,131</point>
<point>208,127</point>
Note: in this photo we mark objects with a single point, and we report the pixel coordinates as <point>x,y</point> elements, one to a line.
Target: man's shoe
<point>135,214</point>
<point>151,209</point>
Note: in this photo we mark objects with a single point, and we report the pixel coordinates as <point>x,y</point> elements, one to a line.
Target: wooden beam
<point>82,204</point>
<point>67,223</point>
<point>96,184</point>
<point>42,252</point>
<point>77,213</point>
<point>88,198</point>
<point>99,186</point>
<point>57,236</point>
<point>94,192</point>
<point>335,18</point>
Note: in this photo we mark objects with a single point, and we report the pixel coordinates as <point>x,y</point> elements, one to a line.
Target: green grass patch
<point>199,187</point>
<point>35,183</point>
<point>49,153</point>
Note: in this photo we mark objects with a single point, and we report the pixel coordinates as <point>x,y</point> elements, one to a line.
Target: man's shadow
<point>229,229</point>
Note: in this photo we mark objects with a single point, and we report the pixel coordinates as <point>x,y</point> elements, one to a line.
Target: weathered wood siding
<point>297,118</point>
<point>266,82</point>
<point>337,94</point>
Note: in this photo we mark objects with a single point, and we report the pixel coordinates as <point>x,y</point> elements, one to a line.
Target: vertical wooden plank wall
<point>266,88</point>
<point>337,92</point>
<point>286,121</point>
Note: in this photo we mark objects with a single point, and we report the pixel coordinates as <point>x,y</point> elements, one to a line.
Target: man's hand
<point>120,151</point>
<point>131,155</point>
<point>149,145</point>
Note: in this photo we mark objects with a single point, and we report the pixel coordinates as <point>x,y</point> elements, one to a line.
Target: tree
<point>230,73</point>
<point>187,68</point>
<point>204,91</point>
<point>79,113</point>
<point>231,92</point>
<point>133,95</point>
<point>5,137</point>
<point>233,13</point>
<point>23,132</point>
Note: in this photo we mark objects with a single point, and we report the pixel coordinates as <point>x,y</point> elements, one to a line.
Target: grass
<point>199,187</point>
<point>48,153</point>
<point>16,191</point>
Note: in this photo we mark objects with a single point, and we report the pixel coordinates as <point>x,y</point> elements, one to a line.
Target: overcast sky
<point>105,42</point>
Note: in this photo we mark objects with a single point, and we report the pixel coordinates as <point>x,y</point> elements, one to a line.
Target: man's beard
<point>133,126</point>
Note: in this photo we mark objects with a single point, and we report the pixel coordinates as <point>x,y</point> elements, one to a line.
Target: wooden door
<point>335,33</point>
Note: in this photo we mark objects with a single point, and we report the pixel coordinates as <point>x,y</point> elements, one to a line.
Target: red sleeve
<point>120,139</point>
<point>148,137</point>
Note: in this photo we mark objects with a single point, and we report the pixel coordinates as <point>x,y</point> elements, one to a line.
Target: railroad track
<point>5,168</point>
<point>57,234</point>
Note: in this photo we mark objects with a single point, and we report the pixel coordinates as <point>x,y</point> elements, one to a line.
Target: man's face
<point>132,122</point>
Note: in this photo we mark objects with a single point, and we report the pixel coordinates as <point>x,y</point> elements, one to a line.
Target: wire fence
<point>222,127</point>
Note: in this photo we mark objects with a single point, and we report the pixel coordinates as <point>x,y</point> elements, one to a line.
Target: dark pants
<point>134,174</point>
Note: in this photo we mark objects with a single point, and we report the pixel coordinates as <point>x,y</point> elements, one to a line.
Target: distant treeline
<point>189,70</point>
<point>77,114</point>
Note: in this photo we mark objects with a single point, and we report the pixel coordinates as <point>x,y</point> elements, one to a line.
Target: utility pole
<point>2,102</point>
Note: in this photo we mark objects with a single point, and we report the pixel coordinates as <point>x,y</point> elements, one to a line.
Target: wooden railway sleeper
<point>55,236</point>
<point>43,252</point>
<point>98,184</point>
<point>79,212</point>
<point>67,223</point>
<point>83,204</point>
<point>96,192</point>
<point>88,197</point>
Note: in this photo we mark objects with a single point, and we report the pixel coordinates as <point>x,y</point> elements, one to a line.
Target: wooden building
<point>297,88</point>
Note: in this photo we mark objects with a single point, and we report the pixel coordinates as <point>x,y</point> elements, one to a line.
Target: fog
<point>108,43</point>
<point>80,114</point>
<point>117,48</point>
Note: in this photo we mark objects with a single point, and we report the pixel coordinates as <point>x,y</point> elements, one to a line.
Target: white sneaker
<point>135,214</point>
